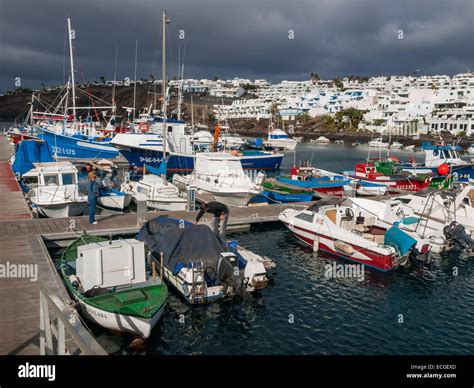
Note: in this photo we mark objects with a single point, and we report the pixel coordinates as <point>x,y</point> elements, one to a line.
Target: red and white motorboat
<point>331,226</point>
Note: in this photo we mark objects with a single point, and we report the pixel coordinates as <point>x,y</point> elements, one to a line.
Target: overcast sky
<point>228,38</point>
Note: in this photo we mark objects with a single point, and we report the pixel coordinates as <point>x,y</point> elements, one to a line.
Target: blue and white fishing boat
<point>440,154</point>
<point>70,138</point>
<point>76,146</point>
<point>147,148</point>
<point>114,199</point>
<point>307,177</point>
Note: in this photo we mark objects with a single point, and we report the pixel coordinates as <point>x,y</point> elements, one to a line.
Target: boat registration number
<point>142,190</point>
<point>149,160</point>
<point>62,151</point>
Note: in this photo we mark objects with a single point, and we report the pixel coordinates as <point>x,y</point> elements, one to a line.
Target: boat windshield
<point>68,179</point>
<point>51,180</point>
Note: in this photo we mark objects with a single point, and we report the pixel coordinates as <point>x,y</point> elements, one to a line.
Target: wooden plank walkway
<point>12,202</point>
<point>119,223</point>
<point>19,296</point>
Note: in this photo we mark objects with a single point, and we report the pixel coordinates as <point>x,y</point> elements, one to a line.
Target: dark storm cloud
<point>237,38</point>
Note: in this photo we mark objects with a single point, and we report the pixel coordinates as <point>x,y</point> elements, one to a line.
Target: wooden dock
<point>12,203</point>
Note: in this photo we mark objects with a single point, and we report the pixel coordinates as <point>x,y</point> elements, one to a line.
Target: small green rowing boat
<point>110,281</point>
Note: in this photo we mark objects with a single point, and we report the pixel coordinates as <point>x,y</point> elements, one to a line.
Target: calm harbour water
<point>330,316</point>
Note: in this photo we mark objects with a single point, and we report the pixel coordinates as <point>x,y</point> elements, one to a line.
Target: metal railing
<point>63,321</point>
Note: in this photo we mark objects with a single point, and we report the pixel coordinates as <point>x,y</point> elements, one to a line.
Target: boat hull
<point>124,323</point>
<point>326,244</point>
<point>73,148</point>
<point>62,210</point>
<point>231,198</point>
<point>290,197</point>
<point>464,173</point>
<point>183,163</point>
<point>115,202</point>
<point>289,145</point>
<point>396,185</point>
<point>166,205</point>
<point>212,293</point>
<point>323,186</point>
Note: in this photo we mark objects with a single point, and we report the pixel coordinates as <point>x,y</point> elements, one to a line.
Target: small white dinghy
<point>53,190</point>
<point>114,199</point>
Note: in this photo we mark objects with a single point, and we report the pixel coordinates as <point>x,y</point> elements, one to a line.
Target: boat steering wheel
<point>349,213</point>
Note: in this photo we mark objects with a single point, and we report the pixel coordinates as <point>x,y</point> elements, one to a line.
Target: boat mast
<point>31,108</point>
<point>70,33</point>
<point>135,83</point>
<point>192,115</point>
<point>163,87</point>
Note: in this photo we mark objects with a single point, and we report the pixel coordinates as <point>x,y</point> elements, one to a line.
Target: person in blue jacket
<point>92,195</point>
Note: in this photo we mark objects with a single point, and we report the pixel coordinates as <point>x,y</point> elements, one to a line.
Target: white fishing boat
<point>444,207</point>
<point>203,139</point>
<point>222,176</point>
<point>202,272</point>
<point>229,139</point>
<point>378,143</point>
<point>333,227</point>
<point>112,285</point>
<point>320,140</point>
<point>53,189</point>
<point>279,139</point>
<point>396,145</point>
<point>159,193</point>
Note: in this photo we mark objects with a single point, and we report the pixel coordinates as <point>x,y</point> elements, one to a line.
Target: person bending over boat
<point>92,195</point>
<point>221,215</point>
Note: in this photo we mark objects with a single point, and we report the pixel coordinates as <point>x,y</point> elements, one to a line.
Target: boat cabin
<point>51,174</point>
<point>111,264</point>
<point>368,171</point>
<point>435,155</point>
<point>274,134</point>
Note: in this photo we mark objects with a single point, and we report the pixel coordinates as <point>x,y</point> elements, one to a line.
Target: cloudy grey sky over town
<point>245,38</point>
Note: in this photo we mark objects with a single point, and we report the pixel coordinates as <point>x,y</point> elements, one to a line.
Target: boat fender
<point>344,247</point>
<point>74,281</point>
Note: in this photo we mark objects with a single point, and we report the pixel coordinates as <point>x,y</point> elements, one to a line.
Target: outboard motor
<point>228,270</point>
<point>457,234</point>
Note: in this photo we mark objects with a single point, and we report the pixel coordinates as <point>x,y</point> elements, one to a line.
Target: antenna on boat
<point>71,34</point>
